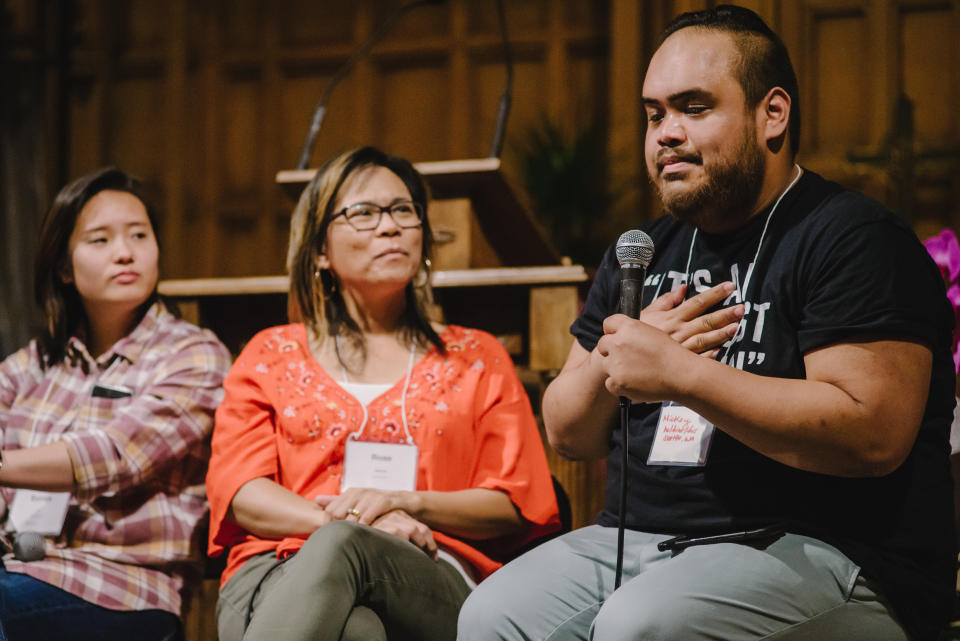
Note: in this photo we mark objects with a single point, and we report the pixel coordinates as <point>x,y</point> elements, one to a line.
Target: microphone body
<point>632,276</point>
<point>634,253</point>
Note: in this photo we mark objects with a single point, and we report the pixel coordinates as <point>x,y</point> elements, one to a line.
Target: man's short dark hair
<point>764,62</point>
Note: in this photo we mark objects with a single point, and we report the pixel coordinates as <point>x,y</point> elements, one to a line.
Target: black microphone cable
<point>634,253</point>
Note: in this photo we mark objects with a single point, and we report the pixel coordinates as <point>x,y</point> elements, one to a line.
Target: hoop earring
<point>422,278</point>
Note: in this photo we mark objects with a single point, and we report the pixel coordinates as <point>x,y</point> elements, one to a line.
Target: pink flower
<point>945,251</point>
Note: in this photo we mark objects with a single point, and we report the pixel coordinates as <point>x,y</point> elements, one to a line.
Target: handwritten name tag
<point>384,466</point>
<point>683,437</point>
<point>35,511</point>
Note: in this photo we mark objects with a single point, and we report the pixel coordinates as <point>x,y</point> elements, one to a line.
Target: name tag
<point>41,512</point>
<point>383,466</point>
<point>683,437</point>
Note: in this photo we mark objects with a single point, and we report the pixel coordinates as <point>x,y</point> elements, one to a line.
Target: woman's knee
<point>333,538</point>
<point>363,624</point>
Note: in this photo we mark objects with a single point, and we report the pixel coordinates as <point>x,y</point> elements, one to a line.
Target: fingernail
<point>738,311</point>
<point>728,287</point>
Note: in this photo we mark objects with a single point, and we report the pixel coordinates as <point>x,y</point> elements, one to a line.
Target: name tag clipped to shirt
<point>683,437</point>
<point>382,466</point>
<point>41,512</point>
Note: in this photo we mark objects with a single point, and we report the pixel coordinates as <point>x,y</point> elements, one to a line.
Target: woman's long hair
<point>314,291</point>
<point>60,304</point>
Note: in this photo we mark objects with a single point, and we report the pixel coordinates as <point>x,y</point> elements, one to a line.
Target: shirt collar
<point>129,347</point>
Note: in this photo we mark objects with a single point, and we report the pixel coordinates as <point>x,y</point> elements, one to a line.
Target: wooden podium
<point>493,269</point>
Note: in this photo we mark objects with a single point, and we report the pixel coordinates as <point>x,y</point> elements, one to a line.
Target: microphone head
<point>29,546</point>
<point>635,248</point>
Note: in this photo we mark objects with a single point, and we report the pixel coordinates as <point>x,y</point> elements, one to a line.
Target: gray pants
<point>348,582</point>
<point>793,589</point>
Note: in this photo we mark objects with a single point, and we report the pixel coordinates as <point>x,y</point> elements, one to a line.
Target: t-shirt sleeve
<point>869,280</point>
<point>511,457</point>
<point>602,301</point>
<point>243,446</point>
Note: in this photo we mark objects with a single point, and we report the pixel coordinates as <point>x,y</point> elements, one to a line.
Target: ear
<point>773,117</point>
<point>322,262</point>
<point>66,272</point>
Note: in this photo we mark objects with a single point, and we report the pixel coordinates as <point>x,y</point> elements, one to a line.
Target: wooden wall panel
<point>524,17</point>
<point>308,23</point>
<point>84,114</point>
<point>839,93</point>
<point>928,40</point>
<point>205,101</point>
<point>586,82</point>
<point>241,119</point>
<point>412,105</point>
<point>24,17</point>
<point>241,24</point>
<point>529,102</point>
<point>143,22</point>
<point>133,133</point>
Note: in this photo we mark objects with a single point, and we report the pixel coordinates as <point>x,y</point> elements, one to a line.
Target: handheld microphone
<point>26,546</point>
<point>634,253</point>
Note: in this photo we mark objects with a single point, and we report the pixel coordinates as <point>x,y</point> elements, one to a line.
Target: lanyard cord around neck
<point>403,397</point>
<point>746,283</point>
<point>752,266</point>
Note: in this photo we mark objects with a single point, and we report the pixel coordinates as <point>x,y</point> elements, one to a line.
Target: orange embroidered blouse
<point>286,419</point>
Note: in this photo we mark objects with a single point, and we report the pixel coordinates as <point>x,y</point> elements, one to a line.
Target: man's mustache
<point>670,156</point>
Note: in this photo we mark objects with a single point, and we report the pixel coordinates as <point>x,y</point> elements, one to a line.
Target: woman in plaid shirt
<point>111,406</point>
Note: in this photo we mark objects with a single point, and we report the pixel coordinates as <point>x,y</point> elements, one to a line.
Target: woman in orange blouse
<point>369,467</point>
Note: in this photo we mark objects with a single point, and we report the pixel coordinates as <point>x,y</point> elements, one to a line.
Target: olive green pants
<point>349,582</point>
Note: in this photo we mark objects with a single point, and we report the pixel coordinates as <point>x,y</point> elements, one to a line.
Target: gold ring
<point>353,511</point>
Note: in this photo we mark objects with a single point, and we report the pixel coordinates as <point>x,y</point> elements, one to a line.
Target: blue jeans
<point>31,609</point>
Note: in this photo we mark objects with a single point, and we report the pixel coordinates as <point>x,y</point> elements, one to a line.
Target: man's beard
<point>729,194</point>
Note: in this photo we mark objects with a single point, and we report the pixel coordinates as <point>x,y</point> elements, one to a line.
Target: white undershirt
<point>365,392</point>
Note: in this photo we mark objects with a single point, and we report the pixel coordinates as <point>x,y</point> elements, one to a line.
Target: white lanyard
<point>749,276</point>
<point>403,398</point>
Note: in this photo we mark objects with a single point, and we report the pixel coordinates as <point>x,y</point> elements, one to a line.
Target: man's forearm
<point>813,425</point>
<point>578,411</point>
<point>856,414</point>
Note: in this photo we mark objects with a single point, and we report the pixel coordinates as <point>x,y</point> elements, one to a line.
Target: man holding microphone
<point>788,474</point>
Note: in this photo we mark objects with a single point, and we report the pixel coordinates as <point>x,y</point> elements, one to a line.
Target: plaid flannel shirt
<point>130,536</point>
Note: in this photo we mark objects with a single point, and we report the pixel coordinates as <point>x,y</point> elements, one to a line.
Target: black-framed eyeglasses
<point>367,216</point>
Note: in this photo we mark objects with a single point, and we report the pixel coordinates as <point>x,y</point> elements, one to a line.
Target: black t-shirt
<point>834,266</point>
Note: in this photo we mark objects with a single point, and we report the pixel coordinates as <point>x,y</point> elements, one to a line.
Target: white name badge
<point>41,512</point>
<point>683,437</point>
<point>383,466</point>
